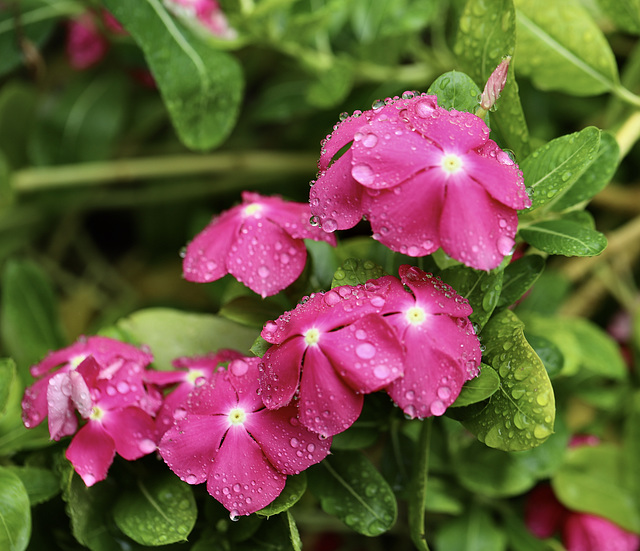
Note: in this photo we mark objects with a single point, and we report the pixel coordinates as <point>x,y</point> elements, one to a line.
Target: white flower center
<point>451,163</point>
<point>237,416</point>
<point>77,360</point>
<point>96,414</point>
<point>252,209</point>
<point>312,336</point>
<point>195,375</point>
<point>416,315</point>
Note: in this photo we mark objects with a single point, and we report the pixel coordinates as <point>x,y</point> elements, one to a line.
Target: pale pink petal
<point>476,229</point>
<point>544,514</point>
<point>91,453</point>
<point>366,353</point>
<point>61,411</point>
<point>80,394</point>
<point>34,403</point>
<point>191,444</point>
<point>585,532</point>
<point>289,446</point>
<point>241,477</point>
<point>173,406</point>
<point>206,256</point>
<point>265,257</point>
<point>328,405</point>
<point>132,430</point>
<point>281,372</point>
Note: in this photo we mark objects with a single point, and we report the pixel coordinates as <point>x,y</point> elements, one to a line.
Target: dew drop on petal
<point>362,173</point>
<point>89,479</point>
<point>437,408</point>
<point>147,446</point>
<point>444,393</point>
<point>263,272</point>
<point>294,442</point>
<point>330,225</point>
<point>505,245</point>
<point>381,371</point>
<point>179,413</point>
<point>238,367</point>
<point>366,351</point>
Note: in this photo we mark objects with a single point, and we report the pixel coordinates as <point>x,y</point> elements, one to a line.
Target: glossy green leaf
<point>355,271</point>
<point>624,13</point>
<point>547,295</point>
<point>564,237</point>
<point>293,490</point>
<point>7,378</point>
<point>172,333</point>
<point>443,496</point>
<point>40,484</point>
<point>15,513</point>
<point>350,488</point>
<point>456,90</point>
<point>591,481</point>
<point>560,47</point>
<point>518,278</point>
<point>475,529</point>
<point>480,388</point>
<point>200,85</point>
<point>323,261</point>
<point>520,415</point>
<point>558,164</point>
<point>548,352</point>
<point>481,289</point>
<point>277,533</point>
<point>157,511</point>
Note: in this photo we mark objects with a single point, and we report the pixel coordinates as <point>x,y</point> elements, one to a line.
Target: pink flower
<point>207,13</point>
<point>259,242</point>
<point>86,45</point>
<point>195,372</point>
<point>331,349</point>
<point>442,350</point>
<point>425,178</point>
<point>241,449</point>
<point>494,86</point>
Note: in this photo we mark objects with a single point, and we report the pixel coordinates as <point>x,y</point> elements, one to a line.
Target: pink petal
<point>289,446</point>
<point>190,445</point>
<point>241,477</point>
<point>281,372</point>
<point>91,452</point>
<point>165,378</point>
<point>215,397</point>
<point>454,131</point>
<point>34,403</point>
<point>173,406</point>
<point>265,257</point>
<point>61,411</point>
<point>124,388</point>
<point>544,514</point>
<point>243,375</point>
<point>474,228</point>
<point>80,394</point>
<point>327,404</point>
<point>366,353</point>
<point>584,532</point>
<point>85,44</point>
<point>132,430</point>
<point>342,134</point>
<point>406,219</point>
<point>206,256</point>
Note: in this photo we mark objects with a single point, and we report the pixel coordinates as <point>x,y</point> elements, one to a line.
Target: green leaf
<point>200,85</point>
<point>520,415</point>
<point>350,488</point>
<point>355,272</point>
<point>41,484</point>
<point>596,178</point>
<point>456,90</point>
<point>332,85</point>
<point>293,490</point>
<point>624,13</point>
<point>631,448</point>
<point>548,352</point>
<point>519,276</point>
<point>159,511</point>
<point>259,347</point>
<point>172,333</point>
<point>15,513</point>
<point>278,533</point>
<point>558,164</point>
<point>475,530</point>
<point>251,310</point>
<point>519,536</point>
<point>323,262</point>
<point>547,295</point>
<point>561,48</point>
<point>591,481</point>
<point>29,322</point>
<point>443,497</point>
<point>480,388</point>
<point>18,102</point>
<point>7,378</point>
<point>481,289</point>
<point>564,237</point>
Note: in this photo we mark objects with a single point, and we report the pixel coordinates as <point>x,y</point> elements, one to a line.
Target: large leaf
<point>355,272</point>
<point>15,513</point>
<point>350,488</point>
<point>518,278</point>
<point>475,529</point>
<point>560,47</point>
<point>564,237</point>
<point>200,85</point>
<point>40,484</point>
<point>521,414</point>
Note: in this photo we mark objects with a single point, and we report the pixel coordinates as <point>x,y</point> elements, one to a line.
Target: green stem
<point>41,14</point>
<point>629,133</point>
<point>626,95</point>
<point>420,477</point>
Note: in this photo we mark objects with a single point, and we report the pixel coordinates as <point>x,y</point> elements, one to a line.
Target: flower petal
<point>585,532</point>
<point>91,452</point>
<point>243,376</point>
<point>132,430</point>
<point>281,372</point>
<point>544,514</point>
<point>34,403</point>
<point>61,411</point>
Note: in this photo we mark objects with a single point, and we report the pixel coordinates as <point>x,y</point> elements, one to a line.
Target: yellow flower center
<point>312,336</point>
<point>237,416</point>
<point>252,209</point>
<point>451,163</point>
<point>416,315</point>
<point>96,414</point>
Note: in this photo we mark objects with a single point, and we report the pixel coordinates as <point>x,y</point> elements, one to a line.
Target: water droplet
<point>505,245</point>
<point>444,393</point>
<point>294,442</point>
<point>179,413</point>
<point>437,408</point>
<point>263,272</point>
<point>147,446</point>
<point>541,431</point>
<point>366,351</point>
<point>370,140</point>
<point>363,174</point>
<point>381,371</point>
<point>238,367</point>
<point>89,479</point>
<point>329,225</point>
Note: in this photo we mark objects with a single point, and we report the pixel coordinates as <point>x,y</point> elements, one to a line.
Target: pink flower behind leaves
<point>425,178</point>
<point>85,45</point>
<point>329,351</point>
<point>243,451</point>
<point>206,13</point>
<point>259,242</point>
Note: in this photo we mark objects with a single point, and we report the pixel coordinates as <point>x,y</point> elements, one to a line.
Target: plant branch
<point>419,490</point>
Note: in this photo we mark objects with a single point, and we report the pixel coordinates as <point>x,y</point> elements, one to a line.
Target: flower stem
<point>420,477</point>
<point>628,134</point>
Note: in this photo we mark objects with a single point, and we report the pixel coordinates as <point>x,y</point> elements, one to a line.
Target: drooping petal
<point>281,372</point>
<point>328,405</point>
<point>585,532</point>
<point>80,394</point>
<point>191,444</point>
<point>132,430</point>
<point>289,446</point>
<point>34,403</point>
<point>265,257</point>
<point>241,477</point>
<point>91,452</point>
<point>61,411</point>
<point>487,234</point>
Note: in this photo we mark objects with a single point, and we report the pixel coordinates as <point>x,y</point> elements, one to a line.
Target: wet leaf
<point>480,388</point>
<point>15,513</point>
<point>278,533</point>
<point>159,511</point>
<point>292,492</point>
<point>350,488</point>
<point>40,484</point>
<point>518,278</point>
<point>355,272</point>
<point>456,90</point>
<point>475,529</point>
<point>564,237</point>
<point>520,415</point>
<point>251,310</point>
<point>18,102</point>
<point>560,47</point>
<point>548,352</point>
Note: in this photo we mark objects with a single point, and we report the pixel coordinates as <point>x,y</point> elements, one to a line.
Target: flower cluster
<point>425,178</point>
<point>416,343</point>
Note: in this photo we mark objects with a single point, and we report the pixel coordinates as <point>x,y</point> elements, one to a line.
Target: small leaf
<point>558,164</point>
<point>292,492</point>
<point>278,533</point>
<point>259,347</point>
<point>355,271</point>
<point>480,388</point>
<point>7,378</point>
<point>159,511</point>
<point>564,237</point>
<point>519,276</point>
<point>456,90</point>
<point>475,529</point>
<point>41,484</point>
<point>520,415</point>
<point>15,513</point>
<point>350,488</point>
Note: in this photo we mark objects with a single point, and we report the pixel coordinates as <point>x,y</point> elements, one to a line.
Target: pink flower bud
<point>495,85</point>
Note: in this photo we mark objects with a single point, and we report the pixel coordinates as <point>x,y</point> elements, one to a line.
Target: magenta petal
<point>242,374</point>
<point>190,445</point>
<point>91,452</point>
<point>454,131</point>
<point>80,394</point>
<point>544,514</point>
<point>289,446</point>
<point>342,134</point>
<point>206,256</point>
<point>265,257</point>
<point>281,372</point>
<point>61,411</point>
<point>241,477</point>
<point>34,403</point>
<point>215,397</point>
<point>165,378</point>
<point>328,405</point>
<point>585,532</point>
<point>474,228</point>
<point>366,353</point>
<point>132,430</point>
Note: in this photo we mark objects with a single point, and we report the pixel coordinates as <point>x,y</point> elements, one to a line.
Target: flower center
<point>451,163</point>
<point>96,414</point>
<point>416,315</point>
<point>312,336</point>
<point>195,376</point>
<point>252,209</point>
<point>237,416</point>
<point>77,360</point>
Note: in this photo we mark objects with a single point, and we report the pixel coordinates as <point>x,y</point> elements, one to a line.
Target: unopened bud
<point>495,85</point>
